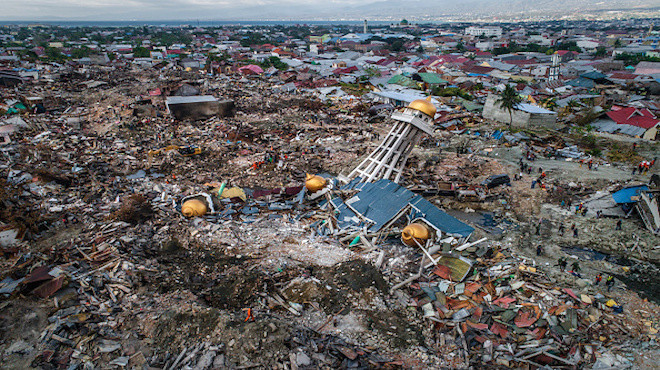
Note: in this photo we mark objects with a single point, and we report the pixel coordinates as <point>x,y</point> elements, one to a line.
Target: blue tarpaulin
<point>625,195</point>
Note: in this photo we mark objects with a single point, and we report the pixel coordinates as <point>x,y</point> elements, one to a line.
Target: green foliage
<point>214,57</point>
<point>587,118</point>
<point>372,71</point>
<point>54,55</point>
<point>588,141</point>
<point>253,38</point>
<point>172,37</point>
<point>508,100</point>
<point>396,45</point>
<point>141,52</point>
<point>82,52</point>
<point>452,91</point>
<point>274,62</point>
<point>568,45</point>
<point>533,47</point>
<point>631,59</point>
<point>404,22</point>
<point>601,51</point>
<point>596,152</point>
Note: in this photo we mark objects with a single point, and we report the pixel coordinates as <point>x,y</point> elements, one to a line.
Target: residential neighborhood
<point>282,194</point>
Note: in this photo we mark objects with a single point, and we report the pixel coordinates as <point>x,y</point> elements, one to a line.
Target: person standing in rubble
<point>575,267</point>
<point>561,262</point>
<point>618,225</point>
<point>575,231</point>
<point>609,283</point>
<point>599,277</point>
<point>561,229</point>
<point>539,250</point>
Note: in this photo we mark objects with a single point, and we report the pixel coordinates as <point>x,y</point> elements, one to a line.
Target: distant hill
<point>425,9</point>
<point>438,8</point>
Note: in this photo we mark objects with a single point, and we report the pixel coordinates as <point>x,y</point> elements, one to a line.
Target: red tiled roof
<point>632,116</point>
<point>623,76</point>
<point>478,69</point>
<point>346,70</point>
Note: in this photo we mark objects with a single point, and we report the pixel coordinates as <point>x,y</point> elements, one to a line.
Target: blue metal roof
<point>383,200</point>
<point>624,195</point>
<point>582,82</point>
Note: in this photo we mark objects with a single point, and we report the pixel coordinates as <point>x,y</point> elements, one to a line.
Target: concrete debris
<point>163,214</point>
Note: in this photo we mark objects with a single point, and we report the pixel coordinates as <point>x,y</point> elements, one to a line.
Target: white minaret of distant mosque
<point>390,157</point>
<point>366,29</point>
<point>553,74</point>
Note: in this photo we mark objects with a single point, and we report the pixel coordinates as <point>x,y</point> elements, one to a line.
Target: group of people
<point>562,229</point>
<point>581,209</point>
<point>269,158</point>
<point>524,167</point>
<point>590,164</point>
<point>644,166</point>
<point>540,179</point>
<point>575,271</point>
<point>609,282</point>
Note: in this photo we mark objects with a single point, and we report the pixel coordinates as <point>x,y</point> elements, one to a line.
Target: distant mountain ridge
<point>421,8</point>
<point>446,8</point>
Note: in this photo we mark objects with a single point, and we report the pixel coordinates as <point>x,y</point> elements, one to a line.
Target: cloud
<point>160,9</point>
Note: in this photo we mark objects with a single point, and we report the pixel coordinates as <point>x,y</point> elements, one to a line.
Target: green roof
<point>403,81</point>
<point>432,78</point>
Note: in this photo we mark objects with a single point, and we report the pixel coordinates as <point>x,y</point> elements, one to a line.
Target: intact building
<point>484,31</point>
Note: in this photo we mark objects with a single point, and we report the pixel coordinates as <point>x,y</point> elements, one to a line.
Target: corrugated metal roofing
<point>381,201</point>
<point>529,108</point>
<point>432,78</point>
<point>606,125</point>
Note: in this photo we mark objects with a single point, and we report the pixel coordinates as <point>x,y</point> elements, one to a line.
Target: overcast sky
<point>161,9</point>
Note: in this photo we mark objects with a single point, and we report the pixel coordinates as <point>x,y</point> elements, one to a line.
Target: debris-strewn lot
<point>99,267</point>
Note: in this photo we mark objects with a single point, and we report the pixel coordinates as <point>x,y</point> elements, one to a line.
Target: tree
<point>509,100</point>
<point>601,51</point>
<point>82,52</point>
<point>141,52</point>
<point>55,55</point>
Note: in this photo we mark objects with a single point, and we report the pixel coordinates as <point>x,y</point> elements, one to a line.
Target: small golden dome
<point>424,105</point>
<point>414,232</point>
<point>315,183</point>
<point>193,208</point>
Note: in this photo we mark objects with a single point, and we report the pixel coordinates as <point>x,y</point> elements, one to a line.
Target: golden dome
<point>315,183</point>
<point>424,105</point>
<point>193,208</point>
<point>418,232</point>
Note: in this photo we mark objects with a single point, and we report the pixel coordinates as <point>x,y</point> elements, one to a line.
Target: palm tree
<point>509,100</point>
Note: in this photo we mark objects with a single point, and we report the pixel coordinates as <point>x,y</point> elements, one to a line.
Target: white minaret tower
<point>553,74</point>
<point>389,159</point>
<point>366,29</point>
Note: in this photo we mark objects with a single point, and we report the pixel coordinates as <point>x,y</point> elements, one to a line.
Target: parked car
<point>496,180</point>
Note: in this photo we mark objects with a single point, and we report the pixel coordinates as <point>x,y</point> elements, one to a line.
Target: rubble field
<point>101,269</point>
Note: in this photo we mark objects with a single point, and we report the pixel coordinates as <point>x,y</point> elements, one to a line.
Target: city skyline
<point>283,10</point>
